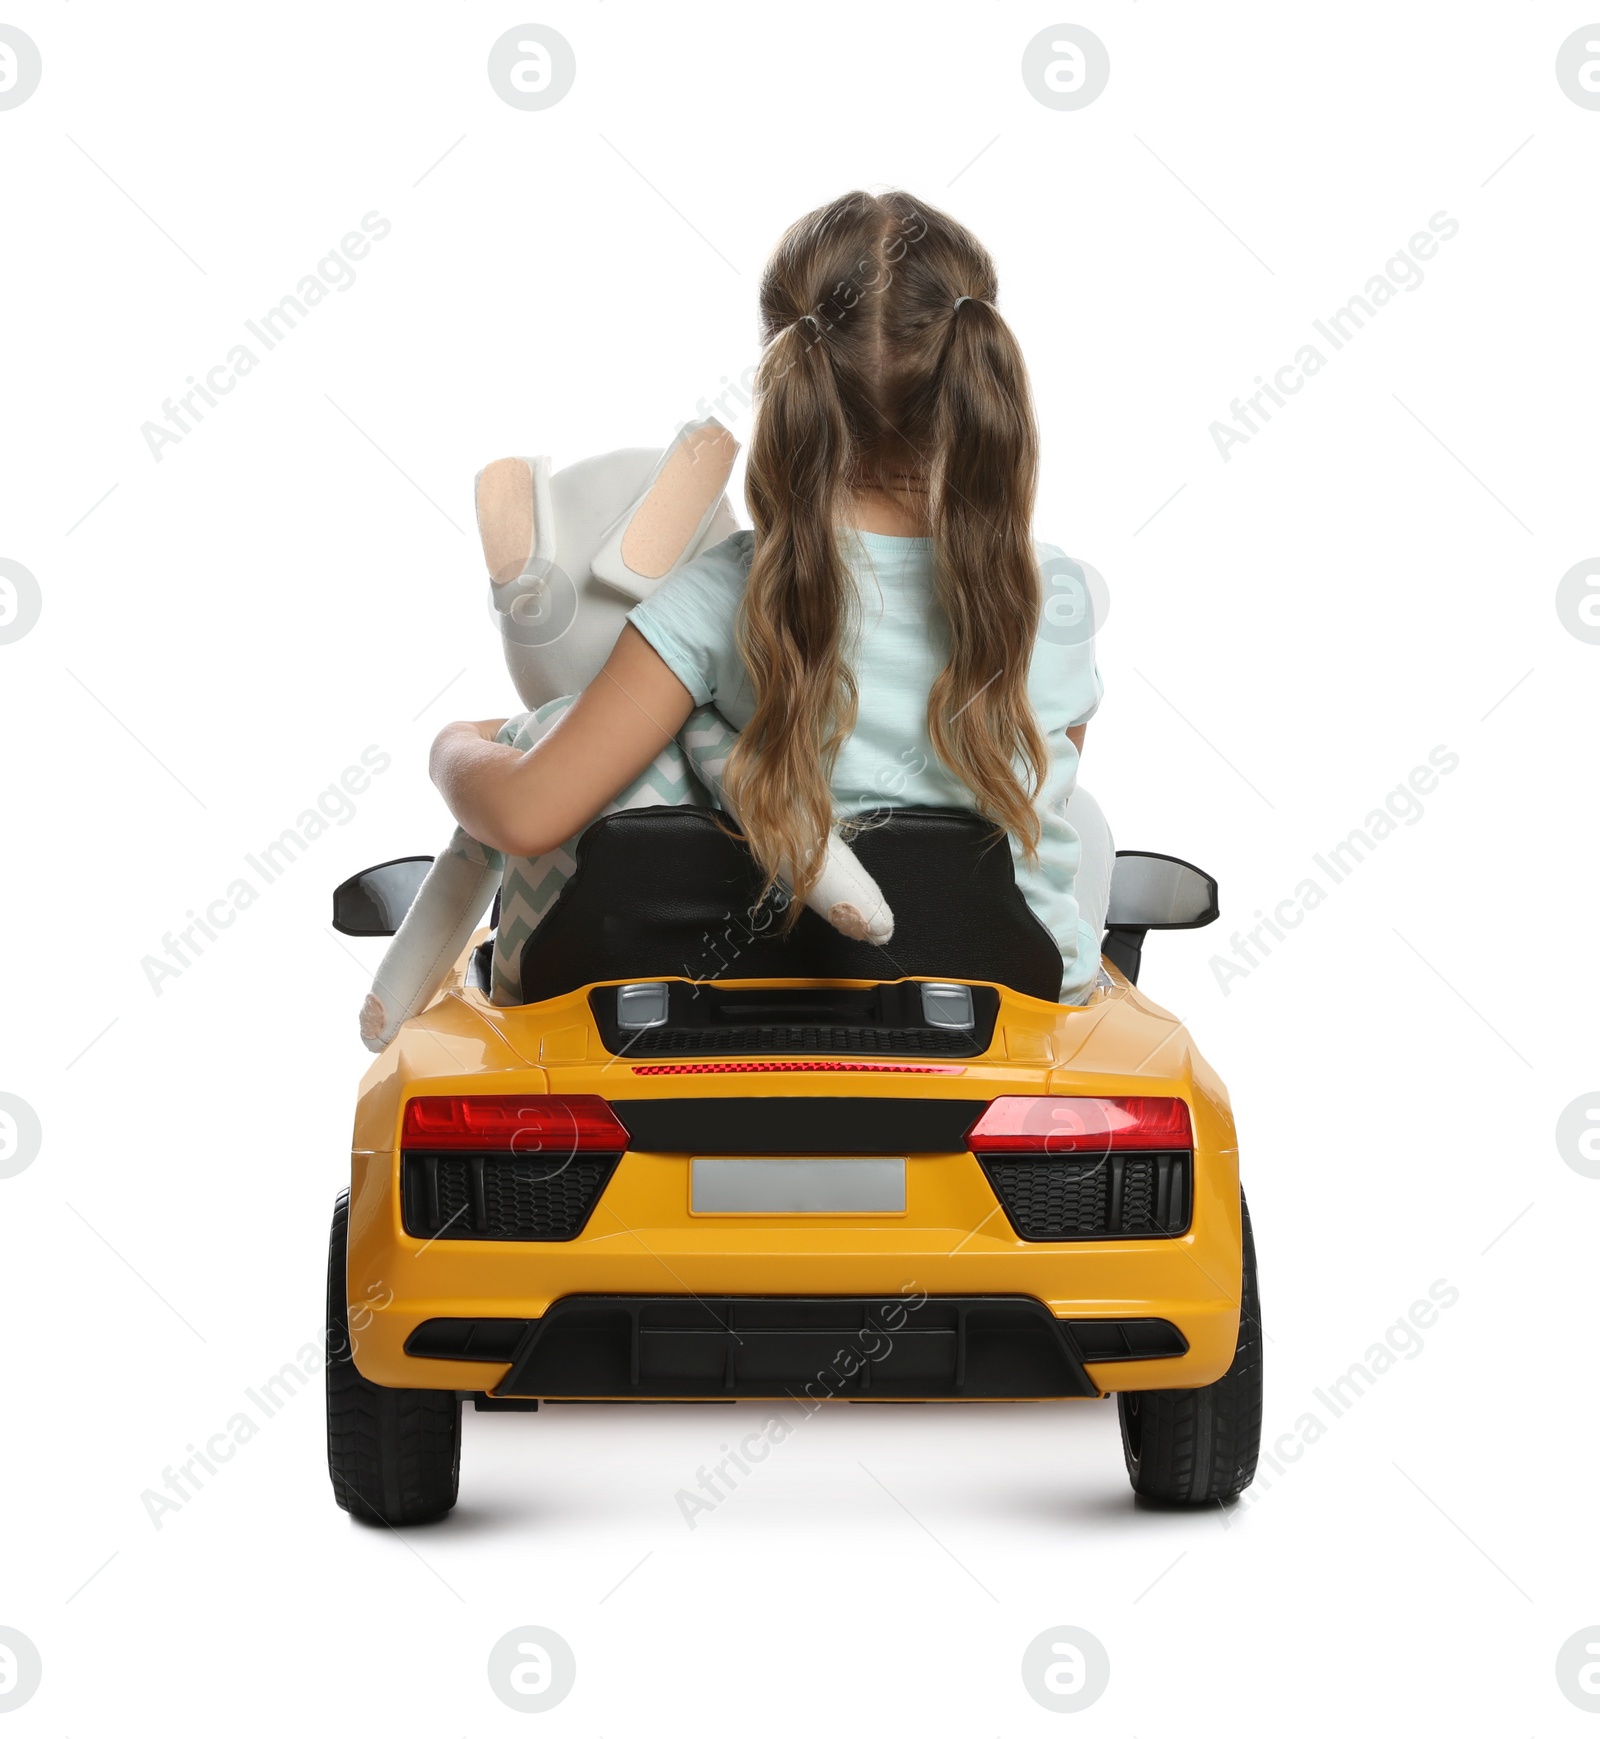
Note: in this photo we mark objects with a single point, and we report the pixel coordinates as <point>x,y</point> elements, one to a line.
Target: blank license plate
<point>798,1186</point>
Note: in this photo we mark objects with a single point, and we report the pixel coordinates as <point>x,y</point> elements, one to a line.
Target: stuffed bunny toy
<point>569,554</point>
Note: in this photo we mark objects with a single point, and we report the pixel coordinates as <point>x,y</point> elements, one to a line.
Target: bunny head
<point>571,552</point>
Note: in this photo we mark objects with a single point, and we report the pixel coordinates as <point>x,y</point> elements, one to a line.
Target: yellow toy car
<point>708,1159</point>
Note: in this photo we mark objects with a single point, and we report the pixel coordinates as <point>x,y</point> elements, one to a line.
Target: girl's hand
<point>484,729</point>
<point>461,754</point>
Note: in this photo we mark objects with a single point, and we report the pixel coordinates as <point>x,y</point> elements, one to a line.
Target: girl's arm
<point>527,804</point>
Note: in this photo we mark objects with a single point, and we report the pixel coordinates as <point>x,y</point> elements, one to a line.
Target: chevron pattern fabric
<point>688,770</point>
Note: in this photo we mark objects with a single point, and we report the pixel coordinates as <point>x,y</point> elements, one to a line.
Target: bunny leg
<point>431,936</point>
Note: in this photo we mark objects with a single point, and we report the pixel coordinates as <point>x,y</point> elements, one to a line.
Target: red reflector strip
<point>522,1122</point>
<point>791,1066</point>
<point>1070,1124</point>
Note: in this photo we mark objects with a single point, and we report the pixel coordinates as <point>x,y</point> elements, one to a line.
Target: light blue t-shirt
<point>902,645</point>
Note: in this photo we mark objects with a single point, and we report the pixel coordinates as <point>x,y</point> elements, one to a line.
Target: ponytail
<point>986,575</point>
<point>792,618</point>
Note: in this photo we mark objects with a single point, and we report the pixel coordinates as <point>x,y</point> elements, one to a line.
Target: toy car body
<point>681,1172</point>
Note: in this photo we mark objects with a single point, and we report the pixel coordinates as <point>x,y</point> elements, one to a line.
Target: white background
<point>1291,632</point>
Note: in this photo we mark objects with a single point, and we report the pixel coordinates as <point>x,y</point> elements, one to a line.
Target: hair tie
<point>958,301</point>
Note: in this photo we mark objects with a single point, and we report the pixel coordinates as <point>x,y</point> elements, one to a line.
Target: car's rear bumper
<point>640,1243</point>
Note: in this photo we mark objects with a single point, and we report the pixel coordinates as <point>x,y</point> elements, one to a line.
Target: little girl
<point>876,638</point>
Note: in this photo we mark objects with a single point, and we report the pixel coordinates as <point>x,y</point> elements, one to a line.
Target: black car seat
<point>668,893</point>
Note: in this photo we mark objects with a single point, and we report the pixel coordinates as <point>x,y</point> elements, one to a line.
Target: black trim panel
<point>628,1347</point>
<point>856,1124</point>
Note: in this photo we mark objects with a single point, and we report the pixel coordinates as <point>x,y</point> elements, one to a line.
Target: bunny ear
<point>517,525</point>
<point>669,520</point>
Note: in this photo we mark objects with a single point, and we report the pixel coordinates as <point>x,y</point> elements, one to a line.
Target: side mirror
<point>1150,891</point>
<point>373,902</point>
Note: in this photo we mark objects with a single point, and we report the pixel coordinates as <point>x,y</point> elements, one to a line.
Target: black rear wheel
<point>394,1454</point>
<point>1199,1446</point>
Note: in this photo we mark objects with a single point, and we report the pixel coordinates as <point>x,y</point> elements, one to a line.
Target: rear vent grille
<point>1120,1195</point>
<point>874,1020</point>
<point>742,1041</point>
<point>495,1195</point>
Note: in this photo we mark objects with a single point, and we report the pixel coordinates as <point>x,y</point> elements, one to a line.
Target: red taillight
<point>1080,1125</point>
<point>529,1123</point>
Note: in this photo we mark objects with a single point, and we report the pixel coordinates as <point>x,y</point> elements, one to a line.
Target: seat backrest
<point>667,893</point>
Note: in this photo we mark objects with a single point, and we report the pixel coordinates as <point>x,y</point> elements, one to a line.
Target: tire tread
<point>1199,1446</point>
<point>394,1455</point>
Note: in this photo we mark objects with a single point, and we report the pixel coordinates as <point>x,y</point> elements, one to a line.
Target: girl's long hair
<point>872,372</point>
